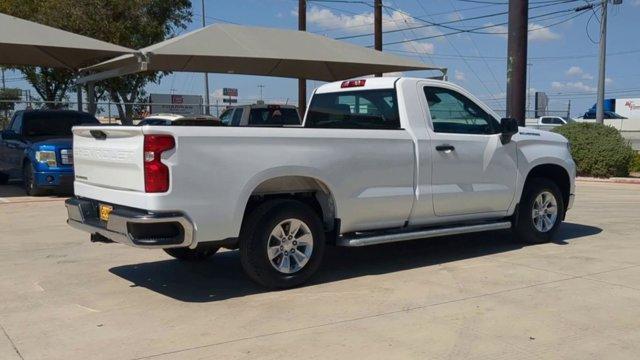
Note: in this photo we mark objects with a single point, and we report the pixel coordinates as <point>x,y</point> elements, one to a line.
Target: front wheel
<point>282,244</point>
<point>30,184</point>
<point>540,212</point>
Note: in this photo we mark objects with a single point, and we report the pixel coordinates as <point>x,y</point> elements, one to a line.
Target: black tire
<point>4,179</point>
<point>200,253</point>
<point>255,237</point>
<point>525,228</point>
<point>30,185</point>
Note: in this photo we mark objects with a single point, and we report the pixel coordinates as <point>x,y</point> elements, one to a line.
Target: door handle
<point>12,146</point>
<point>445,147</point>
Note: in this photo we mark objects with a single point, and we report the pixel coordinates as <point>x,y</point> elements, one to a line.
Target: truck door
<point>472,171</point>
<point>13,147</point>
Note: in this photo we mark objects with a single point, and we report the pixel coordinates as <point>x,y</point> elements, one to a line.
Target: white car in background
<point>180,120</point>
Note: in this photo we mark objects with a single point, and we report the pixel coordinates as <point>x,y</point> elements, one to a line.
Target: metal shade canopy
<point>24,42</point>
<point>234,49</point>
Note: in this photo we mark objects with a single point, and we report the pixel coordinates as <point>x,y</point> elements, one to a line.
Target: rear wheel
<point>282,244</point>
<point>540,212</point>
<point>30,184</point>
<point>200,253</point>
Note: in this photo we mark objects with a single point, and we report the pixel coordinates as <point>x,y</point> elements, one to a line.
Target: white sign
<point>175,104</point>
<point>629,108</point>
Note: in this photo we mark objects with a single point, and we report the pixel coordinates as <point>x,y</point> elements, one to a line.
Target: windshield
<point>273,116</point>
<point>225,118</point>
<point>154,121</point>
<point>51,123</point>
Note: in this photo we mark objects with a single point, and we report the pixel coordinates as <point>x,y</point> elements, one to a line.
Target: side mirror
<point>509,128</point>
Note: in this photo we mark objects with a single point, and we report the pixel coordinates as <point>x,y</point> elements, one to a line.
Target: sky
<point>563,57</point>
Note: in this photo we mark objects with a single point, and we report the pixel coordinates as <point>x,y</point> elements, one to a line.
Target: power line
<point>442,24</point>
<point>474,30</point>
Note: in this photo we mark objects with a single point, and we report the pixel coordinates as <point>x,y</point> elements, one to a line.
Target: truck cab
<point>37,148</point>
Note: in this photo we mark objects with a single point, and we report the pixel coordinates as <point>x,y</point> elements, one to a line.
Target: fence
<point>107,111</point>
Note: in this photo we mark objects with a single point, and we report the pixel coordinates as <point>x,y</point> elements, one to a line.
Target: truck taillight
<point>156,174</point>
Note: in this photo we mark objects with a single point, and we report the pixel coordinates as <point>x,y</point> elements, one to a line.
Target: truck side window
<point>16,125</point>
<point>237,116</point>
<point>364,109</point>
<point>451,112</point>
<point>546,120</point>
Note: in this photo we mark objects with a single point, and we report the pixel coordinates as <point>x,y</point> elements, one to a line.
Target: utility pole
<point>206,75</point>
<point>529,65</point>
<point>569,109</point>
<point>261,87</point>
<point>601,64</point>
<point>302,83</point>
<point>517,59</point>
<point>377,26</point>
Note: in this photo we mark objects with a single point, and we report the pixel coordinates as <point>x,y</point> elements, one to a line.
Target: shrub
<point>635,165</point>
<point>598,150</point>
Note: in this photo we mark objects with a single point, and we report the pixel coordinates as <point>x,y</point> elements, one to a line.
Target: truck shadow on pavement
<point>221,277</point>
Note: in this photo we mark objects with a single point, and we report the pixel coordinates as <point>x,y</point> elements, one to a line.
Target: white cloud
<point>609,80</point>
<point>576,71</point>
<point>459,75</point>
<point>635,3</point>
<point>421,47</point>
<point>363,23</point>
<point>537,32</point>
<point>573,86</point>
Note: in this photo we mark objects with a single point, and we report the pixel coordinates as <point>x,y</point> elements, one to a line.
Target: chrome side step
<point>364,240</point>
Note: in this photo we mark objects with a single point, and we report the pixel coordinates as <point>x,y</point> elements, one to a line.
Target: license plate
<point>105,211</point>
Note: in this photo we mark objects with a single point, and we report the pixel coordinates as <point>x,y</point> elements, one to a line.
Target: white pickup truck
<point>548,122</point>
<point>376,160</point>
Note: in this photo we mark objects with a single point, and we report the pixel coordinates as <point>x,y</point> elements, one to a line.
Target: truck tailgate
<point>109,156</point>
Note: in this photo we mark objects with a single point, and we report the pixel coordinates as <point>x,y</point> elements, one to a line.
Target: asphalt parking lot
<point>480,296</point>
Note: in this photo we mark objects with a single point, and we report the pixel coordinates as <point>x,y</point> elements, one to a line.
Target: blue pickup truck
<point>37,147</point>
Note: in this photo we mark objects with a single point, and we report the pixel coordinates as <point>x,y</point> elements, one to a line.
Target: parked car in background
<point>548,122</point>
<point>378,160</point>
<point>37,147</point>
<point>180,120</point>
<point>261,115</point>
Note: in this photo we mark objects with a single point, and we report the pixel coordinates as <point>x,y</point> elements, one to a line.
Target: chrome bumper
<point>83,215</point>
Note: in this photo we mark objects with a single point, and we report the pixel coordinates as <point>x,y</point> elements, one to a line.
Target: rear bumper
<point>132,227</point>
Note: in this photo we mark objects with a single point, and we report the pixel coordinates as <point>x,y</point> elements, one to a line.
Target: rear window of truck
<point>364,109</point>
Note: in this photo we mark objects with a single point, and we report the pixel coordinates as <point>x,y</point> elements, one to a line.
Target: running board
<point>364,240</point>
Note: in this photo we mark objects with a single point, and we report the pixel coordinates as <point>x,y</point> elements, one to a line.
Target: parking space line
<point>3,200</point>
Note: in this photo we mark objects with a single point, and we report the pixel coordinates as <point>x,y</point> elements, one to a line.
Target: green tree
<point>131,23</point>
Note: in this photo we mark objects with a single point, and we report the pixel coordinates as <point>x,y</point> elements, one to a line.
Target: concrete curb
<point>617,180</point>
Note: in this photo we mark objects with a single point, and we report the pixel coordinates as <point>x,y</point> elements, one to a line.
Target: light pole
<point>261,87</point>
<point>206,75</point>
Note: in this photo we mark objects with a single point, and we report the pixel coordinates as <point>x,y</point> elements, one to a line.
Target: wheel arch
<point>304,186</point>
<point>554,172</point>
